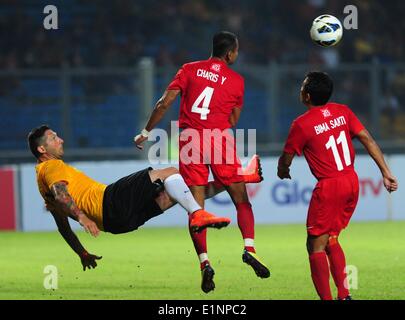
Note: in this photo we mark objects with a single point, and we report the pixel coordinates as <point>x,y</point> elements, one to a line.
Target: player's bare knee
<point>164,201</point>
<point>169,172</point>
<point>240,198</point>
<point>238,192</point>
<point>317,243</point>
<point>173,170</point>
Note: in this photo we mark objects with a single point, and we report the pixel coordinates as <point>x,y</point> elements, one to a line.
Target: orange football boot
<point>202,219</point>
<point>253,171</point>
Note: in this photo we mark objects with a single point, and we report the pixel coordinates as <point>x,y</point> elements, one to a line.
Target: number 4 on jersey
<point>205,98</point>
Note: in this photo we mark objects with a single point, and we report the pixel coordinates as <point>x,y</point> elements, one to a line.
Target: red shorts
<point>199,151</point>
<point>332,205</point>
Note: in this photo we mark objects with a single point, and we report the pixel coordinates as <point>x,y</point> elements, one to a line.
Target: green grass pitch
<point>160,263</point>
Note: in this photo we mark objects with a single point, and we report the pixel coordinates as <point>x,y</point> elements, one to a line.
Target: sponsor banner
<point>34,216</point>
<point>8,201</point>
<point>273,200</point>
<point>373,198</point>
<point>284,201</point>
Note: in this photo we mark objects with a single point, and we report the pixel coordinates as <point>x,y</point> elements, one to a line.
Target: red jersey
<point>324,134</point>
<point>209,92</point>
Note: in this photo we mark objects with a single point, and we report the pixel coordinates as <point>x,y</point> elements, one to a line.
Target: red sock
<point>320,274</point>
<point>337,263</point>
<point>199,240</point>
<point>203,264</point>
<point>246,220</point>
<point>250,249</point>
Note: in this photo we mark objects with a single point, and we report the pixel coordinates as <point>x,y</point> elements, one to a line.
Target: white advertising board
<point>273,200</point>
<point>397,206</point>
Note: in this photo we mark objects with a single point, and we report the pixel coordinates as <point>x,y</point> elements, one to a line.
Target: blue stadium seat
<point>41,87</point>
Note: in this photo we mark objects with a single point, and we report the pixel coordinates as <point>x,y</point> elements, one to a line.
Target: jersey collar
<point>218,60</point>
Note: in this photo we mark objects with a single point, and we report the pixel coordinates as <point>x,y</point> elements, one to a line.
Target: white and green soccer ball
<point>326,30</point>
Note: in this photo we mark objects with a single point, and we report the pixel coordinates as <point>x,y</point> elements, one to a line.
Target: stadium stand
<point>119,33</point>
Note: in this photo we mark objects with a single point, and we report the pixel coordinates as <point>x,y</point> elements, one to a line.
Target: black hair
<point>222,43</point>
<point>35,139</point>
<point>319,86</point>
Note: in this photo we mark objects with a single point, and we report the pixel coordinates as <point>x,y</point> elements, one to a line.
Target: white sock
<point>249,242</point>
<point>203,257</point>
<point>178,190</point>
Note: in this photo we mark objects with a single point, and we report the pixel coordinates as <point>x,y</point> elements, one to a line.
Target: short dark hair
<point>222,43</point>
<point>35,139</point>
<point>319,86</point>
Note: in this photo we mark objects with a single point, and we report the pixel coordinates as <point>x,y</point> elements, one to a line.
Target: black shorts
<point>129,202</point>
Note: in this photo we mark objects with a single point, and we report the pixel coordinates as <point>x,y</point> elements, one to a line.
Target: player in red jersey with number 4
<point>324,135</point>
<point>211,103</point>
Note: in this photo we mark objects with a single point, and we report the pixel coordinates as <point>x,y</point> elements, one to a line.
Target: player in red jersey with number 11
<point>211,103</point>
<point>324,135</point>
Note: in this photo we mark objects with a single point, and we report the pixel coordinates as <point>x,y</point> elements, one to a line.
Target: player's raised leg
<point>177,189</point>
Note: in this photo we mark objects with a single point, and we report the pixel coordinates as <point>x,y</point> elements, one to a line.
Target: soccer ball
<point>326,30</point>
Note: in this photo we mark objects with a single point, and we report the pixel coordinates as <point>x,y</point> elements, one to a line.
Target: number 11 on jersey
<point>205,98</point>
<point>346,153</point>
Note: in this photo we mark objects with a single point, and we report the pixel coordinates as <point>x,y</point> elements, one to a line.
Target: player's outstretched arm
<point>88,260</point>
<point>62,196</point>
<point>158,112</point>
<point>284,163</point>
<point>66,231</point>
<point>390,182</point>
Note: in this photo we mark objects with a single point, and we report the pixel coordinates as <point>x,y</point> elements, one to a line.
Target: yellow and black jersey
<point>86,193</point>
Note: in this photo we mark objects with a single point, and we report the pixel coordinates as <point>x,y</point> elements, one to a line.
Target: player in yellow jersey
<point>120,207</point>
